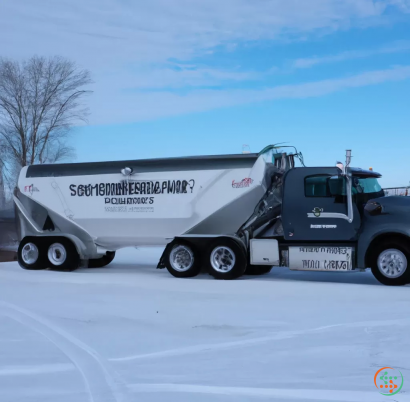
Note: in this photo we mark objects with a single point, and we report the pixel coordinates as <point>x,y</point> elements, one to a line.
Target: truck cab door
<point>315,206</point>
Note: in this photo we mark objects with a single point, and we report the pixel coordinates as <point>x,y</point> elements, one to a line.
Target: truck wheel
<point>63,256</point>
<point>390,263</point>
<point>103,261</point>
<point>226,259</point>
<point>31,254</point>
<point>258,269</point>
<point>182,261</point>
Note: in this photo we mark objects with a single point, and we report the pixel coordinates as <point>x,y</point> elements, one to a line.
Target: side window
<point>325,186</point>
<point>317,186</point>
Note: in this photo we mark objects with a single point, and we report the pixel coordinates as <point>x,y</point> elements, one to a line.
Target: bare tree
<point>40,101</point>
<point>2,190</point>
<point>3,176</point>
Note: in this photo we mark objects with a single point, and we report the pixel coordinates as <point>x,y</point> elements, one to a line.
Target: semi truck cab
<point>339,219</point>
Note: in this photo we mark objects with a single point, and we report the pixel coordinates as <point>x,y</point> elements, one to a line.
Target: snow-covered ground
<point>129,332</point>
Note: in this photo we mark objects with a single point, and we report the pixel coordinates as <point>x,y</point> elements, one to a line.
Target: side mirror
<point>357,185</point>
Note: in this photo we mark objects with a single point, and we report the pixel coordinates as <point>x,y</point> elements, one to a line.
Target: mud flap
<point>161,263</point>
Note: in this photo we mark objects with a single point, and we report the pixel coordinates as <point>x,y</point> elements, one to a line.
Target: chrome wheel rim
<point>181,258</point>
<point>29,253</point>
<point>57,254</point>
<point>392,263</point>
<point>222,259</point>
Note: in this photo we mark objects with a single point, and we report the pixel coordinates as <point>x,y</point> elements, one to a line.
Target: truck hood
<point>393,205</point>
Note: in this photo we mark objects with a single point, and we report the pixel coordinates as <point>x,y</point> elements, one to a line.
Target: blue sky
<point>189,77</point>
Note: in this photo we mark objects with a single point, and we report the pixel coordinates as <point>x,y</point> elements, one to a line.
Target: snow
<point>130,332</point>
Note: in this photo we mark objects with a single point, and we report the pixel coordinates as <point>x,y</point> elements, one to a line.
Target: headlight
<point>373,208</point>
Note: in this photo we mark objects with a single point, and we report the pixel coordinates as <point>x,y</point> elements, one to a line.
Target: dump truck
<point>226,214</point>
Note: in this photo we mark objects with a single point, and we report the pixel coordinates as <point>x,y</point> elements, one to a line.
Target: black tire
<point>62,255</point>
<point>258,269</point>
<point>103,261</point>
<point>188,255</point>
<point>227,248</point>
<point>404,248</point>
<point>36,245</point>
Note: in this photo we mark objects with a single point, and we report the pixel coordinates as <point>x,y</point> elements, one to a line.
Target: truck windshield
<point>366,185</point>
<point>365,189</point>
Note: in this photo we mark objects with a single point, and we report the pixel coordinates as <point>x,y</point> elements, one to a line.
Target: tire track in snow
<point>251,341</point>
<point>38,369</point>
<point>269,393</point>
<point>102,384</point>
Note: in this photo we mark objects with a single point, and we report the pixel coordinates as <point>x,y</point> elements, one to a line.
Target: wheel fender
<point>367,240</point>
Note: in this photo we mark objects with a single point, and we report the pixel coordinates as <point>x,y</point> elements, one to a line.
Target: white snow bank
<point>129,332</point>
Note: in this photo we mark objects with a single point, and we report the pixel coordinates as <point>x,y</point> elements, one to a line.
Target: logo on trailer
<point>132,192</point>
<point>30,189</point>
<point>243,183</point>
<point>388,381</point>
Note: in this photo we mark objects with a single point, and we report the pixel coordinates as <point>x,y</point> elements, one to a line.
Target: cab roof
<point>364,173</point>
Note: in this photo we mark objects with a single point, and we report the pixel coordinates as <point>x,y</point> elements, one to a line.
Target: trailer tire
<point>258,269</point>
<point>182,260</point>
<point>103,261</point>
<point>62,255</point>
<point>226,259</point>
<point>31,254</point>
<point>387,260</point>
